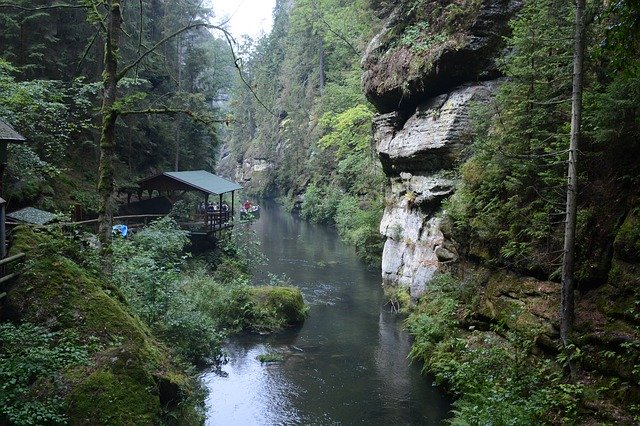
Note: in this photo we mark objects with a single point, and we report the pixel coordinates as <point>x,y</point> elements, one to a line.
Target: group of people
<point>214,211</point>
<point>210,209</point>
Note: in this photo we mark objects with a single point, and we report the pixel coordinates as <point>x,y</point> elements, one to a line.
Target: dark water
<point>348,363</point>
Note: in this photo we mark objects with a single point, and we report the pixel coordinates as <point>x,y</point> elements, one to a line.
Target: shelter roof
<point>7,134</point>
<point>196,180</point>
<point>32,215</point>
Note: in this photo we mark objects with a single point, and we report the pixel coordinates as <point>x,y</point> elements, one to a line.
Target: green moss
<point>275,305</point>
<point>627,242</point>
<point>132,379</point>
<point>114,400</point>
<point>270,357</point>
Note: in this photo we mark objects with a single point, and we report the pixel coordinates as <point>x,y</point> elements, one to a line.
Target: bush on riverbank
<point>357,219</point>
<point>190,305</point>
<point>489,337</point>
<point>495,372</point>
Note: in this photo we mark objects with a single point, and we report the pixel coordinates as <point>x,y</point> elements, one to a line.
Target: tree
<point>567,297</point>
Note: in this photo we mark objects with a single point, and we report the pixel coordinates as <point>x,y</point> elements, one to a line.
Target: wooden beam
<point>12,258</point>
<point>8,277</point>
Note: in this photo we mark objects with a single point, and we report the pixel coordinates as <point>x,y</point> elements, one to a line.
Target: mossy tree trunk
<point>108,134</point>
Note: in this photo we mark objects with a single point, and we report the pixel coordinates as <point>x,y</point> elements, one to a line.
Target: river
<point>347,364</point>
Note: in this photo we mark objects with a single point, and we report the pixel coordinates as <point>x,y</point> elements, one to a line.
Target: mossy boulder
<point>627,242</point>
<point>132,378</point>
<point>279,304</point>
<point>521,303</point>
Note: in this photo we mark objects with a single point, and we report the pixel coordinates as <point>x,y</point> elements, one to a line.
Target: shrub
<point>147,269</point>
<point>359,227</point>
<point>320,204</point>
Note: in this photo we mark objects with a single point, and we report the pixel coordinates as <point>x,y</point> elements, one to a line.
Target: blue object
<point>122,229</point>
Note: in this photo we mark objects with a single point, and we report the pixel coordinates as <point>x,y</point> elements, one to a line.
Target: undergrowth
<point>194,303</point>
<point>32,363</point>
<point>494,373</point>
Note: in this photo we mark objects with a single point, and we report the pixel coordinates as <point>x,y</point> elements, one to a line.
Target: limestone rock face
<point>424,71</point>
<point>418,154</point>
<point>434,136</point>
<point>398,76</point>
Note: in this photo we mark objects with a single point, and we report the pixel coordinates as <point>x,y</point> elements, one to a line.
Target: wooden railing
<point>138,219</point>
<point>5,278</point>
<point>216,221</point>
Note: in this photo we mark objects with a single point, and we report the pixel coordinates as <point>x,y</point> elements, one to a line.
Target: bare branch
<point>38,8</point>
<point>133,64</point>
<point>236,63</point>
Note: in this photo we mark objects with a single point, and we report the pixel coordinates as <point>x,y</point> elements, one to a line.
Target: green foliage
<point>148,271</point>
<point>418,39</point>
<point>62,286</point>
<point>320,204</point>
<point>32,364</point>
<point>317,135</point>
<point>498,378</point>
<point>41,97</point>
<point>347,131</point>
<point>275,307</point>
<point>270,357</point>
<point>627,241</point>
<point>288,77</point>
<point>49,114</point>
<point>190,306</point>
<point>358,224</point>
<point>519,146</point>
<point>510,207</point>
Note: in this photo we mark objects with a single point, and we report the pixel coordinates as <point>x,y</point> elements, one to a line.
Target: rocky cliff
<point>425,72</point>
<point>431,65</point>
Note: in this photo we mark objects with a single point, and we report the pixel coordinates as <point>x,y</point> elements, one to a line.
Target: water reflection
<point>347,364</point>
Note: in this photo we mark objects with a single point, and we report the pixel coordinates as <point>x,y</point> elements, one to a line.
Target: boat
<point>252,213</point>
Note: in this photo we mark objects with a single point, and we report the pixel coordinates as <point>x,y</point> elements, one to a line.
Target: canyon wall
<point>425,98</point>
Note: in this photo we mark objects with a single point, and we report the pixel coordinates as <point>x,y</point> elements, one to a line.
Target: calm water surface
<point>346,365</point>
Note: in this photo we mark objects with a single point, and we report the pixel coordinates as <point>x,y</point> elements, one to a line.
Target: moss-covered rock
<point>278,304</point>
<point>627,242</point>
<point>132,378</point>
<point>427,47</point>
<point>523,304</point>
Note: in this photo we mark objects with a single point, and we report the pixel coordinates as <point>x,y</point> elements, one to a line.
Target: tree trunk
<point>321,63</point>
<point>567,296</point>
<point>176,160</point>
<point>107,138</point>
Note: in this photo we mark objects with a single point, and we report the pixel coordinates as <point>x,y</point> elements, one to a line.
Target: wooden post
<point>3,233</point>
<point>233,214</point>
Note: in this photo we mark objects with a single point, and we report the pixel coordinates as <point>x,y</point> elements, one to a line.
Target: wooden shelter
<point>175,184</point>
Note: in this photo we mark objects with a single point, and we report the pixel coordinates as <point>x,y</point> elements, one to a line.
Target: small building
<point>173,185</point>
<point>7,136</point>
<point>31,215</point>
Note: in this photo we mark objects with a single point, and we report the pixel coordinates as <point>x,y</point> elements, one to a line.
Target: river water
<point>346,365</point>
